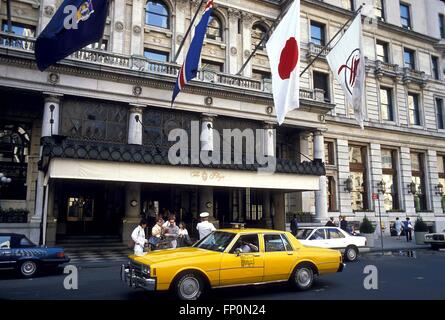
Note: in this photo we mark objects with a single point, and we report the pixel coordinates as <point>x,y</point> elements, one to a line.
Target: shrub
<point>366,226</point>
<point>420,225</point>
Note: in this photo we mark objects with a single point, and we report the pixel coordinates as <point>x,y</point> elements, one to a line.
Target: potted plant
<point>420,230</point>
<point>367,230</point>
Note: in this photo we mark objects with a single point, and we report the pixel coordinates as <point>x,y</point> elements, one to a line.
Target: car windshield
<point>302,234</point>
<point>216,241</point>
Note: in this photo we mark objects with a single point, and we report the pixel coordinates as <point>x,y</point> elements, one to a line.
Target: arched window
<point>215,29</point>
<point>258,32</point>
<point>156,14</point>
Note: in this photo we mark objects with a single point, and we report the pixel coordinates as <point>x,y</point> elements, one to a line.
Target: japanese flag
<point>347,62</point>
<point>283,49</point>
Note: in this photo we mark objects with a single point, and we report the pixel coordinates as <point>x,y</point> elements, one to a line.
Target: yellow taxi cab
<point>231,257</point>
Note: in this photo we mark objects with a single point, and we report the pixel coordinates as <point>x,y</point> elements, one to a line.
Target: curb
<point>422,247</point>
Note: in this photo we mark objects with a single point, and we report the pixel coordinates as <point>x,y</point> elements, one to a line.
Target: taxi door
<point>243,263</point>
<point>279,257</point>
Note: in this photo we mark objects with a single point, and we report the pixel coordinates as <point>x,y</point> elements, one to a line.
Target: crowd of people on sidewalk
<point>165,232</point>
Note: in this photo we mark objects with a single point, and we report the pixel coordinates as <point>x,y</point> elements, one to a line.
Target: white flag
<point>283,49</point>
<point>347,62</point>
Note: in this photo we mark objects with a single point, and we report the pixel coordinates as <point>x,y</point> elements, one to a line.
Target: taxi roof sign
<point>238,225</point>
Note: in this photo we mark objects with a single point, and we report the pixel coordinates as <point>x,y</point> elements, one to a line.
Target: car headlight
<point>145,270</point>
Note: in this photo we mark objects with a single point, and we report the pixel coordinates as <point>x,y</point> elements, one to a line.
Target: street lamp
<point>381,187</point>
<point>439,189</point>
<point>412,188</point>
<point>4,180</point>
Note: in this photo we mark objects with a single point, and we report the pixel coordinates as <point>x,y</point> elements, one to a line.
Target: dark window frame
<point>362,168</point>
<point>394,173</point>
<point>416,110</point>
<point>327,89</point>
<point>408,24</point>
<point>440,113</point>
<point>385,45</point>
<point>322,40</point>
<point>412,61</point>
<point>435,67</point>
<point>158,52</point>
<point>389,106</point>
<point>165,17</point>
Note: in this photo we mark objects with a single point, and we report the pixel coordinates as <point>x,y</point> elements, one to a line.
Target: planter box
<point>369,239</point>
<point>420,237</point>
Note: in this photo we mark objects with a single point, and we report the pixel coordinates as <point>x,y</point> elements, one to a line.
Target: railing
<point>315,49</point>
<point>142,64</point>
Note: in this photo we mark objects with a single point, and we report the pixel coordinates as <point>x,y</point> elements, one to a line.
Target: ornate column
<point>206,136</point>
<point>135,129</point>
<point>321,198</point>
<point>269,139</point>
<point>247,41</point>
<point>117,27</point>
<point>50,126</point>
<point>132,210</point>
<point>137,28</point>
<point>234,16</point>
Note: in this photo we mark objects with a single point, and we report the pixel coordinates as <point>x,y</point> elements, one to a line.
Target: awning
<point>131,172</point>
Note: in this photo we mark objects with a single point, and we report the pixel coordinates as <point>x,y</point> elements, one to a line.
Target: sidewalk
<point>391,243</point>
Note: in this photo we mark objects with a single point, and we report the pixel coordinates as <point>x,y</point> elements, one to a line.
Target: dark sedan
<point>19,253</point>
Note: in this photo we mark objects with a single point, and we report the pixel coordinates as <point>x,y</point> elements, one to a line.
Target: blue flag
<point>190,67</point>
<point>76,24</point>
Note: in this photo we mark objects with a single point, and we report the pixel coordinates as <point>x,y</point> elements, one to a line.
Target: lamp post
<point>4,180</point>
<point>381,188</point>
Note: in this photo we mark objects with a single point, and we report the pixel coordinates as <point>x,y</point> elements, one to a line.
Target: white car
<point>332,238</point>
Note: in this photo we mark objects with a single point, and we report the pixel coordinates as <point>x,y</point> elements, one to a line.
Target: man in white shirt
<point>138,237</point>
<point>205,227</point>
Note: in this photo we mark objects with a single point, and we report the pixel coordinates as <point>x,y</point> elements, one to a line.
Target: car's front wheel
<point>302,277</point>
<point>189,286</point>
<point>351,253</point>
<point>28,268</point>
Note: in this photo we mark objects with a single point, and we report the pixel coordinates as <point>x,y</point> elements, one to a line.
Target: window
<point>318,33</point>
<point>5,242</point>
<point>254,205</point>
<point>261,75</point>
<point>273,243</point>
<point>321,81</point>
<point>386,105</point>
<point>382,51</point>
<point>331,192</point>
<point>418,177</point>
<point>413,108</point>
<point>358,169</point>
<point>389,176</point>
<point>379,9</point>
<point>441,170</point>
<point>348,4</point>
<point>258,33</point>
<point>318,235</point>
<point>435,67</point>
<point>405,15</point>
<point>156,14</point>
<point>329,153</point>
<point>14,152</point>
<point>334,234</point>
<point>408,59</point>
<point>20,29</point>
<point>442,25</point>
<point>246,243</point>
<point>440,112</point>
<point>156,55</point>
<point>214,29</point>
<point>212,66</point>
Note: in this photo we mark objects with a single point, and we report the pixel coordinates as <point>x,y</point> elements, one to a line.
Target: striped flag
<point>190,67</point>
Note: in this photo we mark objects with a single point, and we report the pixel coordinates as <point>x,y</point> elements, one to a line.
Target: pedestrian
<point>138,237</point>
<point>156,234</point>
<point>398,227</point>
<point>344,224</point>
<point>183,237</point>
<point>408,228</point>
<point>330,222</point>
<point>151,214</point>
<point>172,232</point>
<point>294,225</point>
<point>205,227</point>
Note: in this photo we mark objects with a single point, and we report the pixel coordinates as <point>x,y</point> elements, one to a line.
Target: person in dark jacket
<point>344,224</point>
<point>330,222</point>
<point>294,225</point>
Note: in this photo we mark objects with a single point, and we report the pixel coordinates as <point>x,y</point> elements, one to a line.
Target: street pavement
<point>402,275</point>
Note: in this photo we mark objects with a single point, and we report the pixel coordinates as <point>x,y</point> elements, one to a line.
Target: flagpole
<point>332,39</point>
<point>266,35</point>
<point>188,30</point>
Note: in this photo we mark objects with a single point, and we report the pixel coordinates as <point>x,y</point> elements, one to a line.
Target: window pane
<point>156,55</point>
<point>415,162</point>
<point>321,81</point>
<point>318,235</point>
<point>247,243</point>
<point>355,154</point>
<point>20,29</point>
<point>212,66</point>
<point>440,114</point>
<point>382,51</point>
<point>317,33</point>
<point>214,29</point>
<point>273,242</point>
<point>357,191</point>
<point>408,58</point>
<point>157,14</point>
<point>435,67</point>
<point>5,242</point>
<point>386,104</point>
<point>414,112</point>
<point>387,160</point>
<point>334,234</point>
<point>405,15</point>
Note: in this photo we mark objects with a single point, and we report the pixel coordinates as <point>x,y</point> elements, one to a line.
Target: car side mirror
<point>238,251</point>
